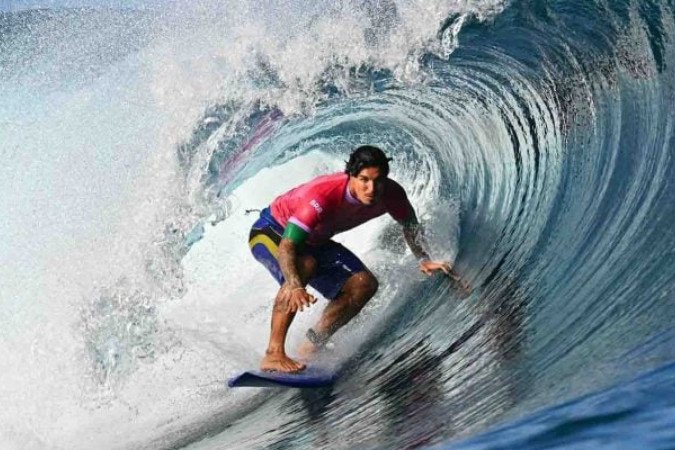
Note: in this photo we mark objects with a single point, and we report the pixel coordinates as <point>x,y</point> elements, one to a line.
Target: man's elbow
<point>286,245</point>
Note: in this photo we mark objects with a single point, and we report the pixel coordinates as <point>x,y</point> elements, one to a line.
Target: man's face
<point>367,186</point>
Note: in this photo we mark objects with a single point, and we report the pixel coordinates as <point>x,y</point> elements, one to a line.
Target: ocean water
<point>535,139</point>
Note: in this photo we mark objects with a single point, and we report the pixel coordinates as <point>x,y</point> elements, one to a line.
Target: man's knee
<point>371,284</point>
<point>364,286</point>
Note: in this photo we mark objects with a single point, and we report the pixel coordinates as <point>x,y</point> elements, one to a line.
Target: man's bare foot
<point>279,362</point>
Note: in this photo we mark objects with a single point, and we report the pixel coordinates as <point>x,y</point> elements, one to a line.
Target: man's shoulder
<point>336,178</point>
<point>397,203</point>
<point>394,190</point>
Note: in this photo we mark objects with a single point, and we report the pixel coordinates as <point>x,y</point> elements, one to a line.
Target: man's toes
<point>296,365</point>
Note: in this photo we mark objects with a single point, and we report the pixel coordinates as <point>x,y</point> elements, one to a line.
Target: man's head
<point>367,167</point>
<point>367,156</point>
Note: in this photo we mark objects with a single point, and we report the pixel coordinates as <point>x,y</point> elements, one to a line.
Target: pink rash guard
<point>324,207</point>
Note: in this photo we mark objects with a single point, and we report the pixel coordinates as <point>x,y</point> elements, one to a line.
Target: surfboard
<point>311,377</point>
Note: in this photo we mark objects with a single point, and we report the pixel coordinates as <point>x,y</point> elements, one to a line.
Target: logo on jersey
<point>316,206</point>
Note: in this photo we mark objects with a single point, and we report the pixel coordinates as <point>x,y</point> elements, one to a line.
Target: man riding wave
<point>292,239</point>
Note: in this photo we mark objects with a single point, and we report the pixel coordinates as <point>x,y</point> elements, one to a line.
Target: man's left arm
<point>402,211</point>
<point>413,232</point>
<point>414,237</point>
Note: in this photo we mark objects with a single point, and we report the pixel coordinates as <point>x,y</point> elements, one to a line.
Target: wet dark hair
<point>367,156</point>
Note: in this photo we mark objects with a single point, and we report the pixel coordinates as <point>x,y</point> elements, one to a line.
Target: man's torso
<point>324,207</point>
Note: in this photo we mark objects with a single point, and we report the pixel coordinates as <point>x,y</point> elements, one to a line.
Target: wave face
<point>535,139</point>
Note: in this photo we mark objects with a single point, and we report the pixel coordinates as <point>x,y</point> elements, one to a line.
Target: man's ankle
<point>319,339</point>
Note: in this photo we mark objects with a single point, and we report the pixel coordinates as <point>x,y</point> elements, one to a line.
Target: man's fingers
<point>429,267</point>
<point>299,303</point>
<point>306,300</point>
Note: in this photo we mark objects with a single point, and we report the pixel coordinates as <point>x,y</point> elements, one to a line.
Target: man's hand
<point>294,298</point>
<point>429,267</point>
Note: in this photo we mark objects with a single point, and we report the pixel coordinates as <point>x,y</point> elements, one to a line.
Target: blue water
<point>535,138</point>
<point>636,414</point>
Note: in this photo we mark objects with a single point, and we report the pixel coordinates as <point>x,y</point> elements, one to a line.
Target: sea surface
<point>536,140</point>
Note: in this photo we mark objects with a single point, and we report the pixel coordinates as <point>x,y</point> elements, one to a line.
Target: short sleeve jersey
<point>324,207</point>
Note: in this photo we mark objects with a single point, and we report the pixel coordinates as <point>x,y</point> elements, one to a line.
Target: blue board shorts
<point>335,263</point>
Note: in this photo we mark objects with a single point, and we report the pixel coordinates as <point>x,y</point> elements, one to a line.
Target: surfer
<point>292,239</point>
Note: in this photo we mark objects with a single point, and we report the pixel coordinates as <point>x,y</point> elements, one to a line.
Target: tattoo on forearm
<point>414,236</point>
<point>287,262</point>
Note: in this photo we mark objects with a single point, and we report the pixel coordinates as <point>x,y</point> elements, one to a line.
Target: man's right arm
<point>287,258</point>
<point>292,295</point>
